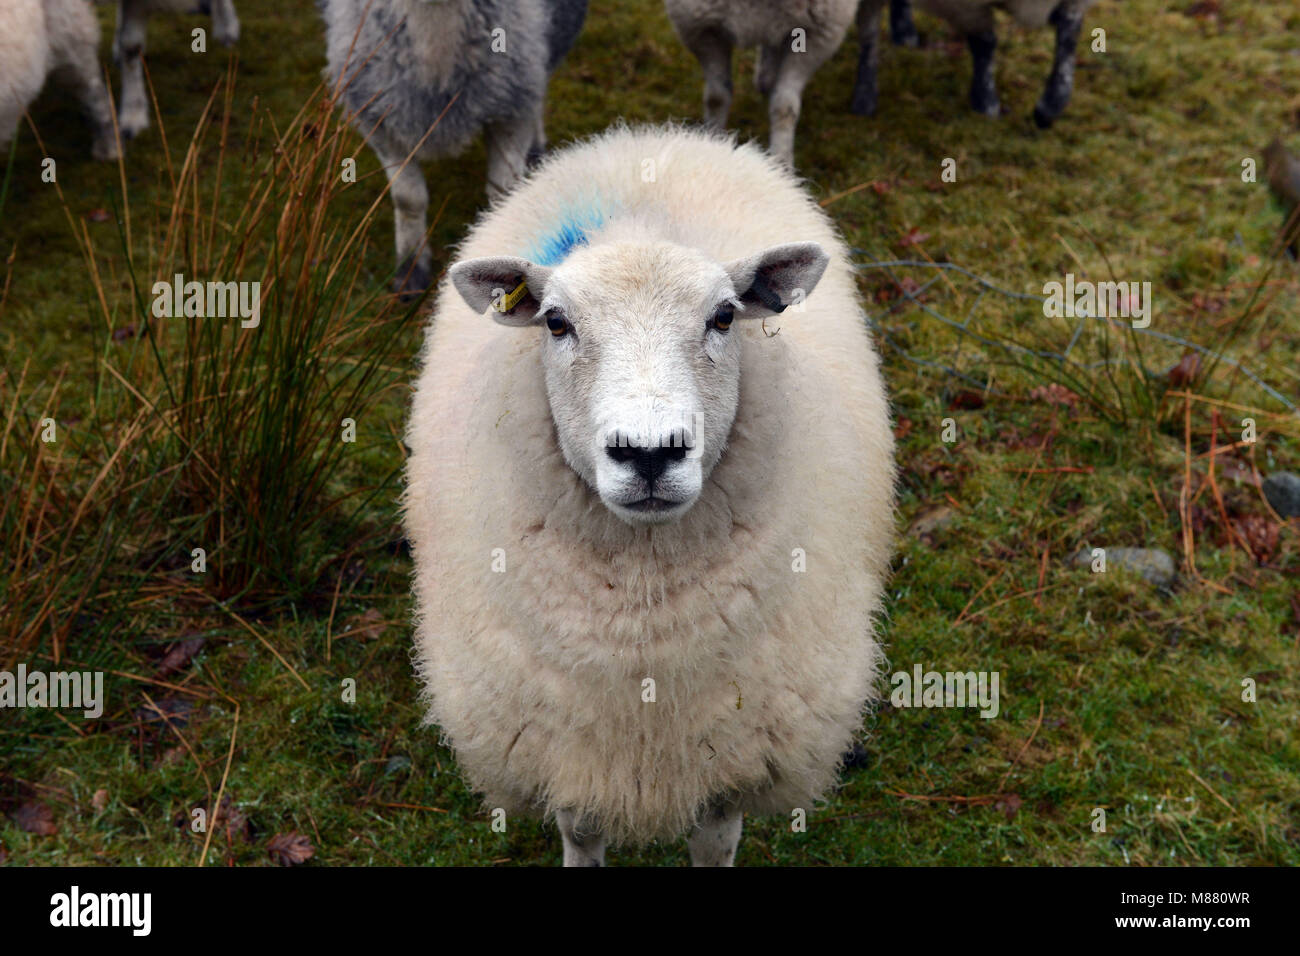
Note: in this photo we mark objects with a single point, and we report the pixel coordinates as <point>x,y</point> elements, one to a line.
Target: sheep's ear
<point>778,277</point>
<point>511,287</point>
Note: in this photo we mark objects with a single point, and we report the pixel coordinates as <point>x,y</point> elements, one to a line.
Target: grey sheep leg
<point>225,22</point>
<point>128,51</point>
<point>715,838</point>
<point>410,197</point>
<point>508,146</point>
<point>713,50</point>
<point>583,845</point>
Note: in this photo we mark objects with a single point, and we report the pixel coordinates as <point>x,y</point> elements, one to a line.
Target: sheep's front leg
<point>983,90</point>
<point>537,150</point>
<point>783,109</point>
<point>84,77</point>
<point>128,51</point>
<point>901,27</point>
<point>410,197</point>
<point>1060,82</point>
<point>584,845</point>
<point>508,146</point>
<point>766,68</point>
<point>714,840</point>
<point>863,102</point>
<point>225,22</point>
<point>713,50</point>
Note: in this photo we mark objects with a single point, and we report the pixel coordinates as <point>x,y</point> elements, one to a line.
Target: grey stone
<point>1156,566</point>
<point>1283,492</point>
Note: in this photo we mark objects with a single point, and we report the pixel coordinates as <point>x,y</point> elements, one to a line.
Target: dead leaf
<point>1203,10</point>
<point>289,849</point>
<point>100,800</point>
<point>236,822</point>
<point>179,655</point>
<point>966,399</point>
<point>366,626</point>
<point>1235,471</point>
<point>33,817</point>
<point>98,215</point>
<point>912,289</point>
<point>1008,803</point>
<point>1260,535</point>
<point>913,237</point>
<point>903,428</point>
<point>1054,394</point>
<point>124,333</point>
<point>1186,369</point>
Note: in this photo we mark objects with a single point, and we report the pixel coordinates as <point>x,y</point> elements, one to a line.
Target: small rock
<point>1156,566</point>
<point>1283,492</point>
<point>930,519</point>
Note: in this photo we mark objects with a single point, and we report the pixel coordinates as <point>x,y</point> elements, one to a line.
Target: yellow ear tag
<point>510,300</point>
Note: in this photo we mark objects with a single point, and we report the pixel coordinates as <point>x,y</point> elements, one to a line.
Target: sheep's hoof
<point>131,124</point>
<point>105,149</point>
<point>908,37</point>
<point>1043,119</point>
<point>862,104</point>
<point>986,107</point>
<point>411,281</point>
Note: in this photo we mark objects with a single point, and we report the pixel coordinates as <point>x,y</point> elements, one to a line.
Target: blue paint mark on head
<point>554,247</point>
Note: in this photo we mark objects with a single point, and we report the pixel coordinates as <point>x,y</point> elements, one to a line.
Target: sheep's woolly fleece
<point>762,673</point>
<point>976,16</point>
<point>37,37</point>
<point>751,23</point>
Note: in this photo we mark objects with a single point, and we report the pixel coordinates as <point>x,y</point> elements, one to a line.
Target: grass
<point>1115,694</point>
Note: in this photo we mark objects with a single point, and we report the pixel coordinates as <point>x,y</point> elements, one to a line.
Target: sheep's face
<point>641,356</point>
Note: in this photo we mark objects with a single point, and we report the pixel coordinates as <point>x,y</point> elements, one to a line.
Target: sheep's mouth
<point>652,505</point>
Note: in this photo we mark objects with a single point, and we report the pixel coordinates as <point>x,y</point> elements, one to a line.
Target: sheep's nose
<point>649,463</point>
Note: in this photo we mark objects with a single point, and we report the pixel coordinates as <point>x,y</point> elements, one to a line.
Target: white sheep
<point>128,49</point>
<point>975,19</point>
<point>61,37</point>
<point>651,528</point>
<point>422,78</point>
<point>794,38</point>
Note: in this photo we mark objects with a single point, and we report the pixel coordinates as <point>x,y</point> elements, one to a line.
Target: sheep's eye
<point>722,318</point>
<point>558,325</point>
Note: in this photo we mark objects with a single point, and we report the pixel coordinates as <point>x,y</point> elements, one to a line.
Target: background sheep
<point>40,37</point>
<point>786,62</point>
<point>589,448</point>
<point>128,49</point>
<point>975,19</point>
<point>422,79</point>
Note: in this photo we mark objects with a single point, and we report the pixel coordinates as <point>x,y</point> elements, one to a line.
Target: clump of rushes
<point>258,420</point>
<point>204,431</point>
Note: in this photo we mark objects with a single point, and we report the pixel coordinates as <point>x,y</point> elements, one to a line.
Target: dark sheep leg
<point>1060,82</point>
<point>983,91</point>
<point>901,28</point>
<point>863,102</point>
